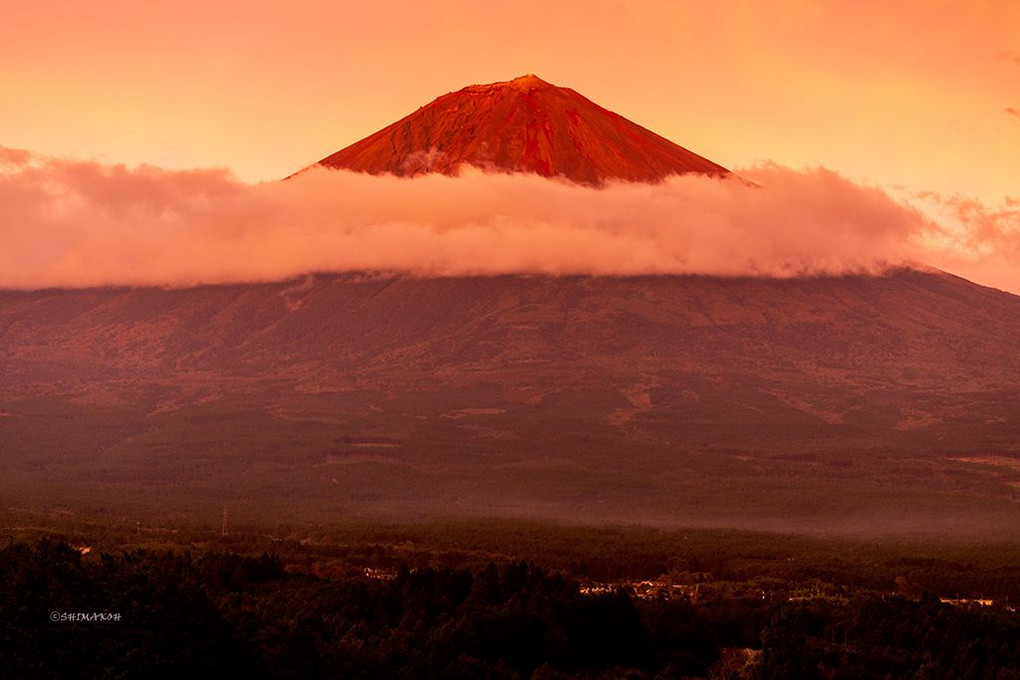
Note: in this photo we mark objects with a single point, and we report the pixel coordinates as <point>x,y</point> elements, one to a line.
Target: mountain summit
<point>522,125</point>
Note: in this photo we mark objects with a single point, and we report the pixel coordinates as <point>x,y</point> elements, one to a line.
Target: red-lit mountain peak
<point>521,125</point>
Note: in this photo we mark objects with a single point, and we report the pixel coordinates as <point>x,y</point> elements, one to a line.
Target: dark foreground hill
<point>853,403</point>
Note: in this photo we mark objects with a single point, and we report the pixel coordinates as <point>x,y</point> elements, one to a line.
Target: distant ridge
<point>522,125</point>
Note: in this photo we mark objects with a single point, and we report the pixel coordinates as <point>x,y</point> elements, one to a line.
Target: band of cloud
<point>76,224</point>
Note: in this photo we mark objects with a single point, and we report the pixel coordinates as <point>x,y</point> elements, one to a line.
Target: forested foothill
<point>500,599</point>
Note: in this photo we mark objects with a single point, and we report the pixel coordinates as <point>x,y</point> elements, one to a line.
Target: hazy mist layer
<point>76,224</point>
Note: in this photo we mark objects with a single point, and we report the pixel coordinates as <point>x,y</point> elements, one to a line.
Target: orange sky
<point>920,94</point>
<point>912,96</point>
<point>906,93</point>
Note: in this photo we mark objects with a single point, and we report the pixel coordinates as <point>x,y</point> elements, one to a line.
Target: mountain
<point>522,125</point>
<point>855,403</point>
<point>861,404</point>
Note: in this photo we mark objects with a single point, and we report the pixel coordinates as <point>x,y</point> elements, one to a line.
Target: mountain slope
<point>522,125</point>
<point>844,403</point>
<point>930,329</point>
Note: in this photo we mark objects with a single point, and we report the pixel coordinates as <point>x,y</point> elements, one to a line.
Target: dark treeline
<point>787,563</point>
<point>219,614</point>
